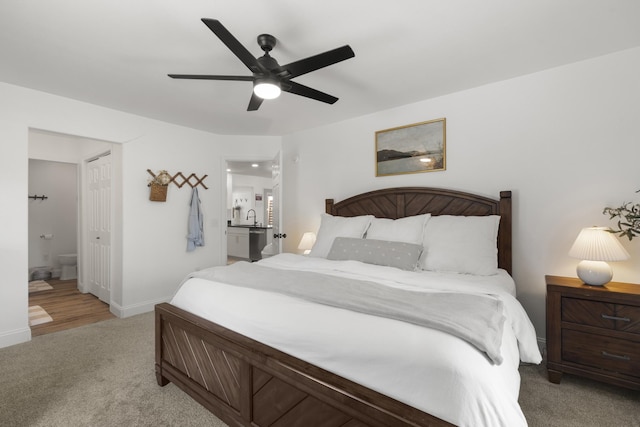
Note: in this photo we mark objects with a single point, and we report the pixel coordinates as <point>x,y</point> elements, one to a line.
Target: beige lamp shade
<point>307,242</point>
<point>595,246</point>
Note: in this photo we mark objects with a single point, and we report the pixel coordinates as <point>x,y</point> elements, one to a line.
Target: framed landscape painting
<point>420,147</point>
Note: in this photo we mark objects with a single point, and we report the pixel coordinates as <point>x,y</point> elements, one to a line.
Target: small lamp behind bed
<point>307,242</point>
<point>595,246</point>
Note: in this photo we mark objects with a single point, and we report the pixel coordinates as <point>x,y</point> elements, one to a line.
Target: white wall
<point>150,259</point>
<point>57,147</point>
<point>565,141</point>
<point>154,233</point>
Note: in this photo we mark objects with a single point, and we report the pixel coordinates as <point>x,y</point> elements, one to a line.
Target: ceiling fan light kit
<point>269,78</point>
<point>267,88</point>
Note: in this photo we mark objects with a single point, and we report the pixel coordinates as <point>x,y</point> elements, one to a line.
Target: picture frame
<point>414,148</point>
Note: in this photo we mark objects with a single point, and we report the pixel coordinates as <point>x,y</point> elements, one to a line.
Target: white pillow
<point>407,230</point>
<point>338,226</point>
<point>461,244</point>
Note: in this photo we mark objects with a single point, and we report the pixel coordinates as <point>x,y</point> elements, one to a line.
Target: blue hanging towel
<point>196,235</point>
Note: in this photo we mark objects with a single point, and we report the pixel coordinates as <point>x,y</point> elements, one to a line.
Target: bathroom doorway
<point>55,242</point>
<point>53,219</point>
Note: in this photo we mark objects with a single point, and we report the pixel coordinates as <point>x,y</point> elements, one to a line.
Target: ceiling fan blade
<point>302,90</point>
<point>211,77</point>
<point>316,62</point>
<point>233,44</point>
<point>254,102</point>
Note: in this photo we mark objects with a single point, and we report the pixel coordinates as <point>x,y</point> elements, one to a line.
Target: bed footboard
<point>246,383</point>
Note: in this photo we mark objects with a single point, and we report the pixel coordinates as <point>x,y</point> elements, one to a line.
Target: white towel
<point>195,236</point>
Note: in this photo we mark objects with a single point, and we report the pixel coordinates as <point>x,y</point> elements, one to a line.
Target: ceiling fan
<point>269,78</point>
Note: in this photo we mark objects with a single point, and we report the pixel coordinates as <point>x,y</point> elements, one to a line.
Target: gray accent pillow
<point>380,252</point>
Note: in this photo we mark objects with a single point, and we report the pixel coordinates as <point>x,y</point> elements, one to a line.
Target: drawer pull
<point>616,356</point>
<point>623,319</point>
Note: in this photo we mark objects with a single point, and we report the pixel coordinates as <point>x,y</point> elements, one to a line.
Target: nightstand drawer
<point>586,312</point>
<point>630,316</point>
<point>620,317</point>
<point>601,352</point>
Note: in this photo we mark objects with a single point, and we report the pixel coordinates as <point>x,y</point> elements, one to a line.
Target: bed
<point>348,367</point>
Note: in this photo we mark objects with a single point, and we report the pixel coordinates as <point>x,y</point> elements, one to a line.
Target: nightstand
<point>593,331</point>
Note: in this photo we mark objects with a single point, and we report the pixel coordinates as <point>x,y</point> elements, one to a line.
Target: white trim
<point>96,157</point>
<point>139,308</point>
<point>17,336</point>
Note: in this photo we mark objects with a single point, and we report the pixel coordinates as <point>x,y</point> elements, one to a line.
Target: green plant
<point>629,219</point>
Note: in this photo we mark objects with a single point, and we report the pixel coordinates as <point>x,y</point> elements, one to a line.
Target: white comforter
<point>428,369</point>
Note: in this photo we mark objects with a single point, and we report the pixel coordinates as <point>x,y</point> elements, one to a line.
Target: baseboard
<point>82,287</point>
<point>134,309</point>
<point>14,337</point>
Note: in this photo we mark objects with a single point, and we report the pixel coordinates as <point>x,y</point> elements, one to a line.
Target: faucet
<point>255,220</point>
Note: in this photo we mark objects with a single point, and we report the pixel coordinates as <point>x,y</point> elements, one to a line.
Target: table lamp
<point>595,246</point>
<point>307,242</point>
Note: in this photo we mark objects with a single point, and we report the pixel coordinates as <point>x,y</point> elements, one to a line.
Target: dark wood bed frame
<point>246,383</point>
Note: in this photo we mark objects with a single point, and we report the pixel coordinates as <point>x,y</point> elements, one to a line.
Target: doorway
<point>53,219</point>
<point>249,209</point>
<point>57,230</point>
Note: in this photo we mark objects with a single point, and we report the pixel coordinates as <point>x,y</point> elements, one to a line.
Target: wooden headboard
<point>401,202</point>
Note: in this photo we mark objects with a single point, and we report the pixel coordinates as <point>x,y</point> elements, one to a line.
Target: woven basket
<point>158,193</point>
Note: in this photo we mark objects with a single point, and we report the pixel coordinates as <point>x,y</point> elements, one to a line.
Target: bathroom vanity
<point>246,241</point>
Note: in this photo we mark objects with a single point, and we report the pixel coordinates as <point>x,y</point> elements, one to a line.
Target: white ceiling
<point>117,54</point>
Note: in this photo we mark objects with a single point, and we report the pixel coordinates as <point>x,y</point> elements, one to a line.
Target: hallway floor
<point>68,307</point>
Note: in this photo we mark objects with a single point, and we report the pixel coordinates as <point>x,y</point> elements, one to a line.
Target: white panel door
<point>99,227</point>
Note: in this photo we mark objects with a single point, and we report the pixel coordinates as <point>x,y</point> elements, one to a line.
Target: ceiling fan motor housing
<point>268,62</point>
<point>266,42</point>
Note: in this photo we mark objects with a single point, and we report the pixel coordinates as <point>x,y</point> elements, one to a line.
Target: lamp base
<point>594,273</point>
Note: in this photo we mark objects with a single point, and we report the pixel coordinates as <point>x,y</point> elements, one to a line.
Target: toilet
<point>68,262</point>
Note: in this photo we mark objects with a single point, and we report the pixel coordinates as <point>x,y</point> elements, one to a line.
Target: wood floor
<point>232,259</point>
<point>68,307</point>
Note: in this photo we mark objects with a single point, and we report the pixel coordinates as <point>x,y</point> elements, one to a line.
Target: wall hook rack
<point>179,179</point>
<point>36,197</point>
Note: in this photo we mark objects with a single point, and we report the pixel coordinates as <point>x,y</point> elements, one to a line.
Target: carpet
<point>102,375</point>
<point>97,375</point>
<point>38,316</point>
<point>39,285</point>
